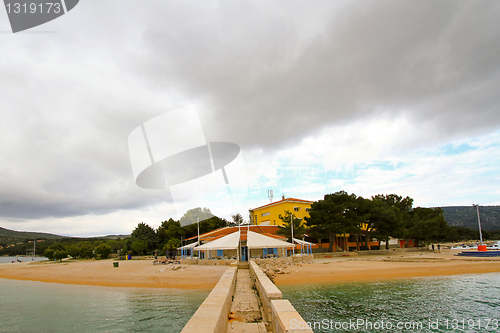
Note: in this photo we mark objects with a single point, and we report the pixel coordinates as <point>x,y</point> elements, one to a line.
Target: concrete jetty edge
<point>212,315</point>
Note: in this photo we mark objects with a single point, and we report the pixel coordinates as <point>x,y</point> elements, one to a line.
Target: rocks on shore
<point>273,266</point>
<point>177,267</point>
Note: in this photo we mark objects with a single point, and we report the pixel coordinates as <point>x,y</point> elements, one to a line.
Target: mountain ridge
<point>466,216</point>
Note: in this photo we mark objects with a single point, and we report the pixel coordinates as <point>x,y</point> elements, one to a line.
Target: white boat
<point>494,246</point>
<point>461,247</point>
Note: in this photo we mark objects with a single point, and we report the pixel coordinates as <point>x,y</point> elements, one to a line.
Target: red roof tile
<point>283,200</point>
<point>268,230</point>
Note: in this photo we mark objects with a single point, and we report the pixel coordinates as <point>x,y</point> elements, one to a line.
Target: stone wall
<point>212,315</point>
<point>280,313</point>
<point>285,319</point>
<point>207,262</point>
<point>266,289</point>
<point>384,251</point>
<point>334,254</point>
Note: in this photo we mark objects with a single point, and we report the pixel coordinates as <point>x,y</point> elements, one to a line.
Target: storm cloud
<point>268,76</point>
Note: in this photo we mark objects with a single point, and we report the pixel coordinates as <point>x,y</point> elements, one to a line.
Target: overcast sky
<point>364,96</point>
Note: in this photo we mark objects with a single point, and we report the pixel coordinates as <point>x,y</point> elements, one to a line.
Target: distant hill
<point>466,216</point>
<point>12,234</point>
<point>7,233</point>
<point>115,236</point>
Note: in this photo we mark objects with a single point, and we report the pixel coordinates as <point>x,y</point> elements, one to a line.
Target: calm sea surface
<point>28,306</point>
<point>462,303</point>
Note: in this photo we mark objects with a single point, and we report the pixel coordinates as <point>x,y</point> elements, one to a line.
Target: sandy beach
<point>143,274</point>
<point>133,273</point>
<point>386,267</point>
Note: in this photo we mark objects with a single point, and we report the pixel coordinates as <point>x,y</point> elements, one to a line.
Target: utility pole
<point>198,224</point>
<point>479,222</point>
<point>34,245</point>
<point>291,224</point>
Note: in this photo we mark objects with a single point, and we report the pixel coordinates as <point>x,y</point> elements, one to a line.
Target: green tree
<point>195,215</point>
<point>103,250</point>
<point>327,217</point>
<point>73,250</point>
<point>384,221</point>
<point>389,216</point>
<point>139,246</point>
<point>170,229</point>
<point>427,224</point>
<point>298,227</point>
<point>116,244</point>
<point>145,233</point>
<point>237,219</point>
<point>86,250</point>
<point>48,253</point>
<point>205,226</point>
<point>59,254</point>
<point>172,244</point>
<point>55,251</point>
<point>357,214</point>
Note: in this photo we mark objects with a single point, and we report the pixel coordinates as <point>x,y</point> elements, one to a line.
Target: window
<point>255,219</point>
<point>265,214</point>
<point>296,209</point>
<point>308,209</point>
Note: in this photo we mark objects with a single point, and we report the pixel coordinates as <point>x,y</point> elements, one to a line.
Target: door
<point>244,253</point>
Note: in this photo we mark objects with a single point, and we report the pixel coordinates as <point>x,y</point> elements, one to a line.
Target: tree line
<point>380,217</point>
<point>143,239</point>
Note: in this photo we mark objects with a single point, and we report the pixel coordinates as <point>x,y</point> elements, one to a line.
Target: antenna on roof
<point>270,195</point>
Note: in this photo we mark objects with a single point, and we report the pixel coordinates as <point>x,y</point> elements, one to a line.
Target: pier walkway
<point>246,301</point>
<point>246,311</point>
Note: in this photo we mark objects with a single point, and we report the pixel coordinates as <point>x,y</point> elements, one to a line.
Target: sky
<point>369,97</point>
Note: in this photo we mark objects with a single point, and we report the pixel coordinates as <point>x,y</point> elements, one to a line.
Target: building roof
<point>283,201</point>
<point>268,230</point>
<point>301,242</point>
<point>189,246</point>
<point>259,241</point>
<point>228,242</point>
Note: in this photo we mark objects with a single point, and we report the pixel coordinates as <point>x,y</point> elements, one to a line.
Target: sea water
<point>29,306</point>
<point>461,303</point>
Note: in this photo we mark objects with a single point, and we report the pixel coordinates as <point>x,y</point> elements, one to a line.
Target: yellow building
<point>269,214</point>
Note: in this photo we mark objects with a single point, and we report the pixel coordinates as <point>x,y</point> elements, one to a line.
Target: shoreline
<point>355,268</point>
<point>398,266</point>
<point>130,274</point>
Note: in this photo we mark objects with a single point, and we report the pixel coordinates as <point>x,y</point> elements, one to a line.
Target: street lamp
<point>198,224</point>
<point>479,222</point>
<point>291,224</point>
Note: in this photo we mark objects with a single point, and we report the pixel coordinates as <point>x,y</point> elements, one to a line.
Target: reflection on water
<point>465,303</point>
<point>48,307</point>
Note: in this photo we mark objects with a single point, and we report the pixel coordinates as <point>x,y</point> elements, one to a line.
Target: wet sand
<point>385,267</point>
<point>133,273</point>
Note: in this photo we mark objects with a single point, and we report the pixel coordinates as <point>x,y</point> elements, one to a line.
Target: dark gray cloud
<point>434,61</point>
<point>265,75</point>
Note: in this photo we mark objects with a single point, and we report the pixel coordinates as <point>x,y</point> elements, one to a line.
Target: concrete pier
<point>211,316</point>
<point>246,301</point>
<point>245,315</point>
